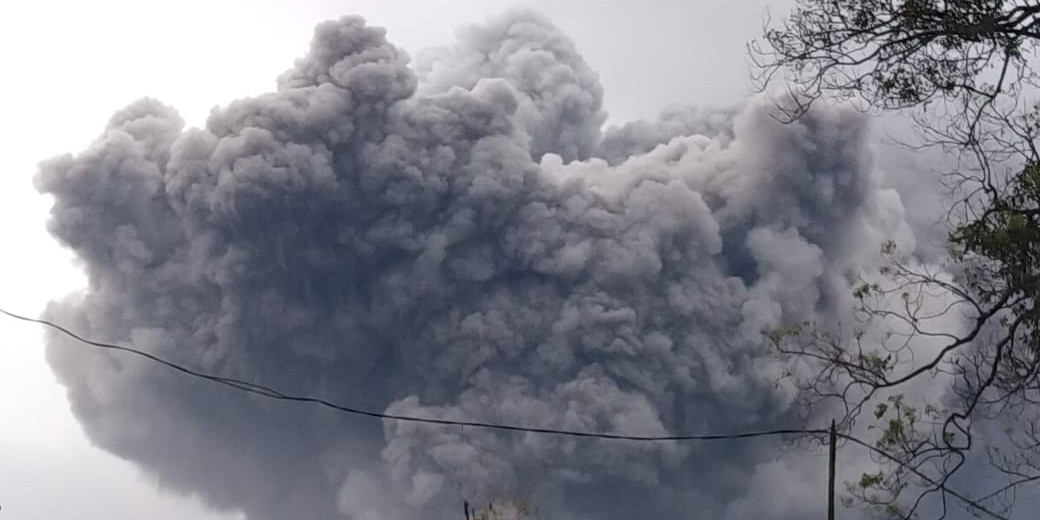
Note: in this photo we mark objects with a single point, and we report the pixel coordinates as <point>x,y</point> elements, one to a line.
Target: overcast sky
<point>69,65</point>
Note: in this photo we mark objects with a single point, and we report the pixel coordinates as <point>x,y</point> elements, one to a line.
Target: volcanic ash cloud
<point>457,240</point>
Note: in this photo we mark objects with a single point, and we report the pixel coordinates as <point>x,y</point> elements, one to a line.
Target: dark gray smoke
<point>456,240</point>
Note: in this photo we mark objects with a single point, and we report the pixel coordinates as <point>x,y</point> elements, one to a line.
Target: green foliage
<point>779,335</point>
<point>875,363</point>
<point>1006,237</point>
<point>863,290</point>
<point>1001,251</point>
<point>971,59</point>
<point>900,53</point>
<point>901,423</point>
<point>869,480</point>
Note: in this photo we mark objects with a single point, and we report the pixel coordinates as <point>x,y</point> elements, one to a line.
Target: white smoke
<point>457,240</point>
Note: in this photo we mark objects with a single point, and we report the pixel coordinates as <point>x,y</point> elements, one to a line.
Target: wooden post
<point>830,474</point>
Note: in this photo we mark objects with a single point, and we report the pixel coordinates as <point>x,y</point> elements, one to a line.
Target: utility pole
<point>830,474</point>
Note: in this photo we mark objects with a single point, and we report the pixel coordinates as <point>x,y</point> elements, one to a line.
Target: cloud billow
<point>458,240</point>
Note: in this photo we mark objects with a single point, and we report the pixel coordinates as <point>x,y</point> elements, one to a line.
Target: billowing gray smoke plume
<point>460,240</point>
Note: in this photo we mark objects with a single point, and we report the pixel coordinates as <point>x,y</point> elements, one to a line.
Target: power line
<point>272,393</point>
<point>938,485</point>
